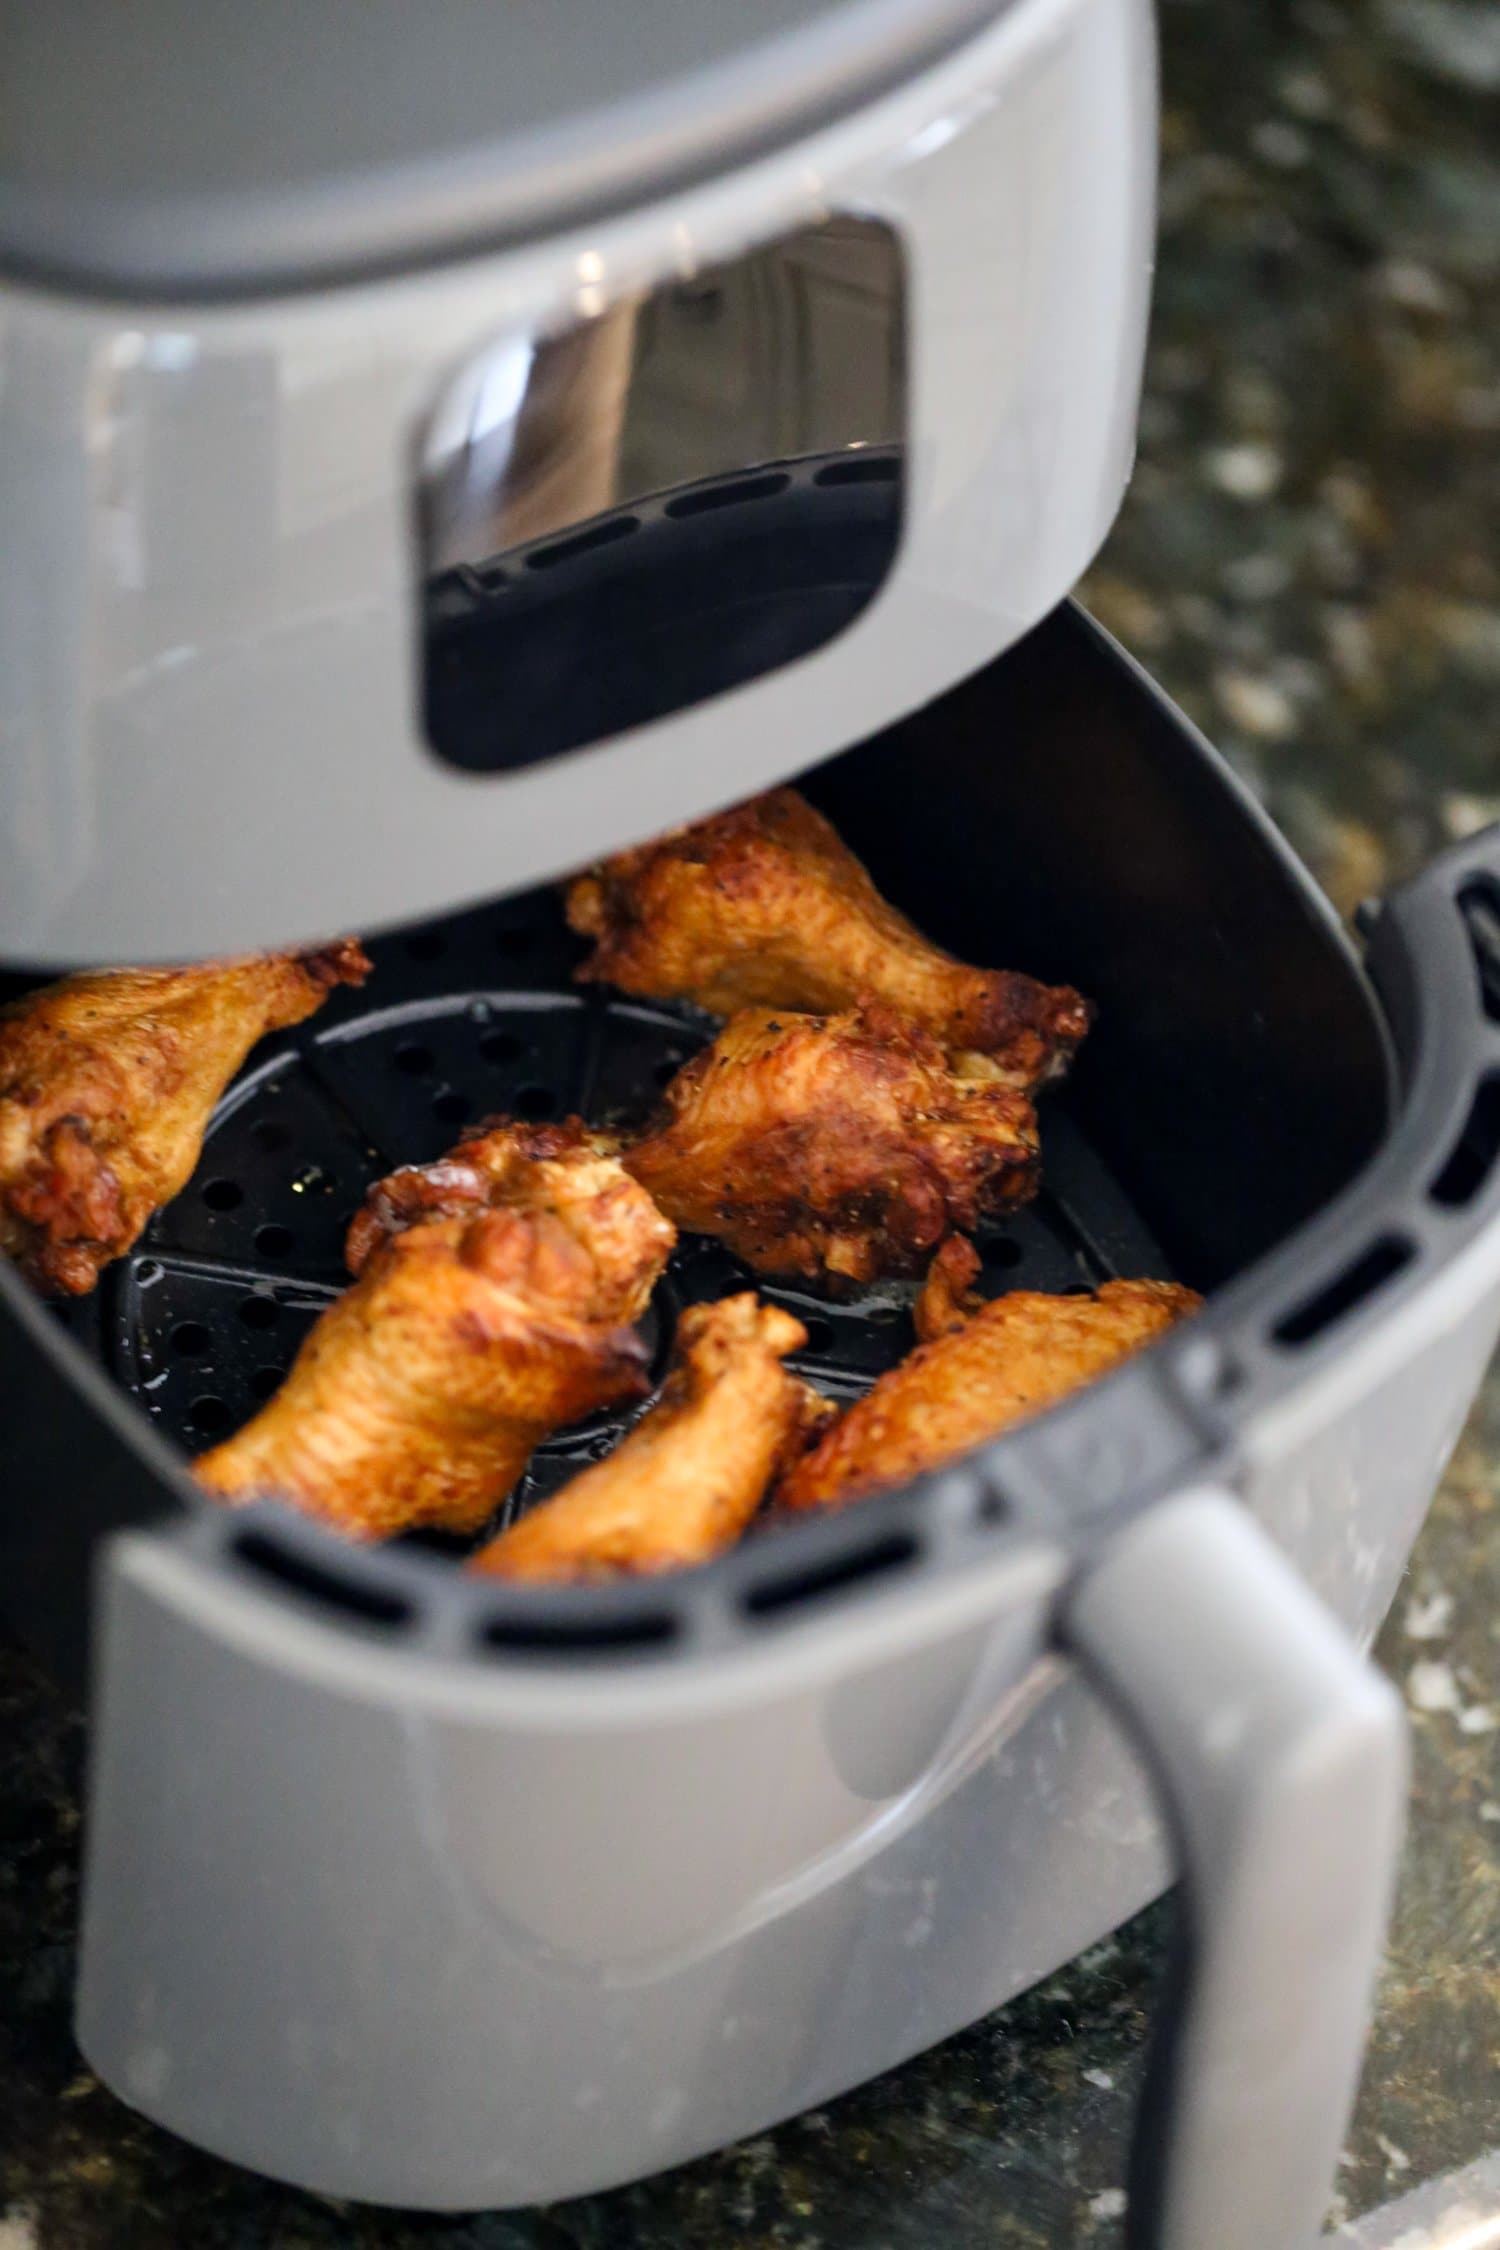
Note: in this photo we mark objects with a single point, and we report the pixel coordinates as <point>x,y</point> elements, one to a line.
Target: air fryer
<point>407,1885</point>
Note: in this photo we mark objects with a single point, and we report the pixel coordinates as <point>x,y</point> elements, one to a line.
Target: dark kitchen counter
<point>1308,560</point>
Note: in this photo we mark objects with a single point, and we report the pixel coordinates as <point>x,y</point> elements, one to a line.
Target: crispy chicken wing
<point>107,1083</point>
<point>565,1169</point>
<point>467,1338</point>
<point>765,906</point>
<point>688,1478</point>
<point>977,1376</point>
<point>843,1145</point>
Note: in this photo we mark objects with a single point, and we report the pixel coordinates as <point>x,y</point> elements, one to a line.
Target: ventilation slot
<point>862,468</point>
<point>994,1505</point>
<point>1474,1152</point>
<point>329,1588</point>
<point>791,1588</point>
<point>1479,904</point>
<point>582,1636</point>
<point>598,535</point>
<point>1346,1292</point>
<point>733,495</point>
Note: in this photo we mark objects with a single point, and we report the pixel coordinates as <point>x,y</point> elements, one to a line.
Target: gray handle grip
<point>1281,1758</point>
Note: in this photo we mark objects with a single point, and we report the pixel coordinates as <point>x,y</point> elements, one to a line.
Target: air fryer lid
<point>176,149</point>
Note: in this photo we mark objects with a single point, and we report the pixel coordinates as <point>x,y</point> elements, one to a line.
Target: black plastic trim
<point>654,606</point>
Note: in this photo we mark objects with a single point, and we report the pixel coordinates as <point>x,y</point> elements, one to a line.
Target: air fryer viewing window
<point>692,487</point>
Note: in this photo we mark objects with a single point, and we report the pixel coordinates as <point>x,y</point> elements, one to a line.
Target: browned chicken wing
<point>690,1475</point>
<point>983,1370</point>
<point>765,906</point>
<point>842,1145</point>
<point>465,1341</point>
<point>107,1083</point>
<point>565,1169</point>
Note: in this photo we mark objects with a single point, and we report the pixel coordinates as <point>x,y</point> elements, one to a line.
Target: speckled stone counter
<point>1308,560</point>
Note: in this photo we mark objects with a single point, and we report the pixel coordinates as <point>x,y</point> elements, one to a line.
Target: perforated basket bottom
<point>463,1019</point>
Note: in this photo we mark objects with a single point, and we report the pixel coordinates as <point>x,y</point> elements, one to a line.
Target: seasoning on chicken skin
<point>1007,1360</point>
<point>693,1471</point>
<point>468,1338</point>
<point>107,1083</point>
<point>765,906</point>
<point>842,1145</point>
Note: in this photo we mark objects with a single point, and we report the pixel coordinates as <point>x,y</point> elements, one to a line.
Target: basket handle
<point>1280,1754</point>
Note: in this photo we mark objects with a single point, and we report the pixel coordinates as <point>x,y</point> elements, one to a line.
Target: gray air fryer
<point>437,446</point>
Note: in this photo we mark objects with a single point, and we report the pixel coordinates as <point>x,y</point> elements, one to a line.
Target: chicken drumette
<point>467,1338</point>
<point>765,906</point>
<point>985,1366</point>
<point>841,1145</point>
<point>107,1083</point>
<point>690,1475</point>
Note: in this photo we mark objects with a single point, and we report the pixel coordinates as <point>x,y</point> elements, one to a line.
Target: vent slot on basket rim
<point>1470,1162</point>
<point>1479,904</point>
<point>874,1557</point>
<point>656,1628</point>
<point>1350,1288</point>
<point>327,1584</point>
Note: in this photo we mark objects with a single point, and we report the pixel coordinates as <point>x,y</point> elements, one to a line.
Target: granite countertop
<point>1309,560</point>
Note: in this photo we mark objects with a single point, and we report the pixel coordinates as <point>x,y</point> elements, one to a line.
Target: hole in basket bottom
<point>374,1605</point>
<point>1339,1297</point>
<point>190,1339</point>
<point>259,1312</point>
<point>209,1416</point>
<point>536,1102</point>
<point>223,1195</point>
<point>266,1380</point>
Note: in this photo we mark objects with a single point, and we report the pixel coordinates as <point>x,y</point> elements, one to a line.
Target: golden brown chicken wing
<point>842,1145</point>
<point>565,1169</point>
<point>1006,1360</point>
<point>765,906</point>
<point>107,1083</point>
<point>688,1478</point>
<point>465,1341</point>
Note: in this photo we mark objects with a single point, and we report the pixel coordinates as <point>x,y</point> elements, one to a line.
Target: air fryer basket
<point>1245,1116</point>
<point>478,1015</point>
<point>1228,1042</point>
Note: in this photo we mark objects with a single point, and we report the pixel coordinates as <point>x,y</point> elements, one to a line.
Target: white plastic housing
<point>208,591</point>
